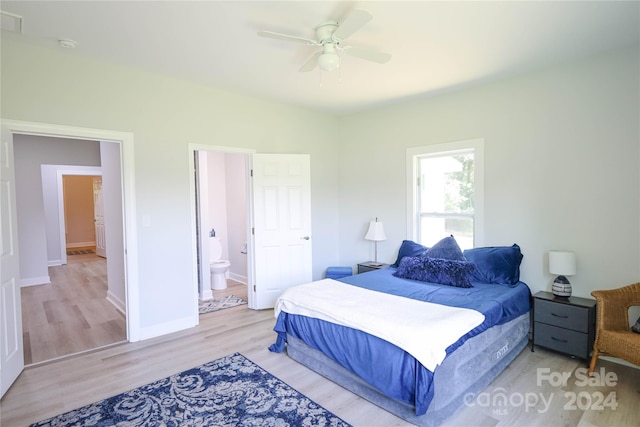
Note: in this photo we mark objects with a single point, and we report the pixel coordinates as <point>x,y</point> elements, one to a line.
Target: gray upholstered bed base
<point>466,372</point>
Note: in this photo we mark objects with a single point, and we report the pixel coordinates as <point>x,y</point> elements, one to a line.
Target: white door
<point>202,224</point>
<point>98,217</point>
<point>282,225</point>
<point>11,353</point>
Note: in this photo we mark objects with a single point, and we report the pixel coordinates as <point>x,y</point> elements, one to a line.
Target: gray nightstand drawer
<point>562,315</point>
<point>363,267</point>
<point>564,340</point>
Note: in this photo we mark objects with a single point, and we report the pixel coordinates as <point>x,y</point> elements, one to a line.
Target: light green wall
<point>562,149</point>
<point>165,115</point>
<point>562,157</point>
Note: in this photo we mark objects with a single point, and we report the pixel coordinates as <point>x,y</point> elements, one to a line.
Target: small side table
<point>566,325</point>
<point>363,267</point>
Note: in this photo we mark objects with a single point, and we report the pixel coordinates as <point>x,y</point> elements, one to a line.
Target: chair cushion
<point>622,344</point>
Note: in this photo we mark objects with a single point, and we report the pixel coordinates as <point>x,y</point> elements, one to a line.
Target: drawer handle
<point>558,339</point>
<point>560,315</point>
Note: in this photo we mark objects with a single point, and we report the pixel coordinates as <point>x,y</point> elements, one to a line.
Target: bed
<point>361,331</point>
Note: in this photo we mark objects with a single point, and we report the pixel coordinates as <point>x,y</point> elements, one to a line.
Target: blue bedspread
<point>383,365</point>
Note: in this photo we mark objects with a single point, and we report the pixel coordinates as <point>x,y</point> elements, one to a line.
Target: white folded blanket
<point>422,329</point>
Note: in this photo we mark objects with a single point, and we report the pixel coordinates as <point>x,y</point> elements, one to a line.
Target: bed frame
<point>462,375</point>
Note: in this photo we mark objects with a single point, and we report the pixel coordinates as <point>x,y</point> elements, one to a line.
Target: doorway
<point>278,221</point>
<point>222,208</point>
<point>11,346</point>
<point>70,304</point>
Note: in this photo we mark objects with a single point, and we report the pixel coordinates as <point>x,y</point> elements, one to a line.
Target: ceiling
<point>436,46</point>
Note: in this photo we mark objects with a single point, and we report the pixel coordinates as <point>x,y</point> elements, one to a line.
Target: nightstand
<point>566,325</point>
<point>363,267</point>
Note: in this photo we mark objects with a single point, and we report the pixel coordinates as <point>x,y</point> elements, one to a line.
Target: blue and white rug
<point>232,391</point>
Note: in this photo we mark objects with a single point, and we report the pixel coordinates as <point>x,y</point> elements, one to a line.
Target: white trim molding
<point>125,139</point>
<point>477,145</point>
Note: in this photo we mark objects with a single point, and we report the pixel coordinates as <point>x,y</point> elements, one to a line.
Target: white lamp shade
<point>375,232</point>
<point>329,61</point>
<point>562,263</point>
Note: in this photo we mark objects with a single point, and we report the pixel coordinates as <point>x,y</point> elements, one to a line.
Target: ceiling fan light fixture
<point>329,61</point>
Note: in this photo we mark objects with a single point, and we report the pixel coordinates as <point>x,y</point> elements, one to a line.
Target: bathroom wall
<point>236,183</point>
<point>227,208</point>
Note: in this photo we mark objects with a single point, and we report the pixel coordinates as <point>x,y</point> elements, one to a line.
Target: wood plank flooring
<point>49,389</point>
<point>71,314</point>
<point>233,288</point>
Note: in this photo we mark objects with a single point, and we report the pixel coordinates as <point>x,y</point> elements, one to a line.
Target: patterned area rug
<point>232,391</point>
<point>80,252</point>
<point>218,304</point>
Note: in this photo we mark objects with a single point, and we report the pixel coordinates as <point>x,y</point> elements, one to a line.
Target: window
<point>445,192</point>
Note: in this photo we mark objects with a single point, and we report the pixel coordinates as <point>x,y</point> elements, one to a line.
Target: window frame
<point>443,149</point>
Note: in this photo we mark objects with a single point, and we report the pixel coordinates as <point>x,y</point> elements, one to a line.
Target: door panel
<point>282,225</point>
<point>98,218</point>
<point>11,347</point>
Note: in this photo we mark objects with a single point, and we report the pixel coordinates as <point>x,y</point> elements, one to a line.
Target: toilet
<point>219,266</point>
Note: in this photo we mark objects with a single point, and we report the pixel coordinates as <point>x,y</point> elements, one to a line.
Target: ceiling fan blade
<point>272,35</point>
<point>311,63</point>
<point>369,55</point>
<point>352,23</point>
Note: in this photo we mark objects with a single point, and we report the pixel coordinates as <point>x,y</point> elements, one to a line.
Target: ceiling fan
<point>330,37</point>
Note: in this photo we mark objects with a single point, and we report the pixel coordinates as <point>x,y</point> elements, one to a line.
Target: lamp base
<point>561,287</point>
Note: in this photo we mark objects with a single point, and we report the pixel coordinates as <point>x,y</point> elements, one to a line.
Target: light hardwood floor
<point>53,388</point>
<point>72,313</point>
<point>233,288</point>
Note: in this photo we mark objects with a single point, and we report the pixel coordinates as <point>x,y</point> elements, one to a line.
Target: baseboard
<point>206,294</point>
<point>238,278</point>
<point>117,303</point>
<point>55,263</point>
<point>165,328</point>
<point>618,361</point>
<point>33,281</point>
<point>81,245</point>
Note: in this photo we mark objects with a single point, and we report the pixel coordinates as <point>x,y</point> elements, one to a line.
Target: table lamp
<point>376,233</point>
<point>562,263</point>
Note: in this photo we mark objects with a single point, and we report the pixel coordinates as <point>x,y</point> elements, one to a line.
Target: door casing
<point>125,139</point>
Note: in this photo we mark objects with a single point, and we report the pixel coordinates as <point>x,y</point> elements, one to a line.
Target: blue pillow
<point>409,248</point>
<point>436,270</point>
<point>446,248</point>
<point>497,264</point>
<point>636,328</point>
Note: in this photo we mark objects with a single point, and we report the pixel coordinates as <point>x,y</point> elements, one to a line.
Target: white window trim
<point>477,145</point>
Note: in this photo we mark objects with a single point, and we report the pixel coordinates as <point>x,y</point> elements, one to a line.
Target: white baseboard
<point>80,245</point>
<point>618,361</point>
<point>117,303</point>
<point>238,278</point>
<point>33,281</point>
<point>206,294</point>
<point>166,328</point>
<point>55,263</point>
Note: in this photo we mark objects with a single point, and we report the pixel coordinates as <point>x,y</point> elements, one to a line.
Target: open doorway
<point>222,225</point>
<point>70,303</point>
<point>278,223</point>
<point>118,151</point>
<point>83,215</point>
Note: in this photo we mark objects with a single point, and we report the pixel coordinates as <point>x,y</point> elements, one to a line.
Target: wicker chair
<point>613,335</point>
